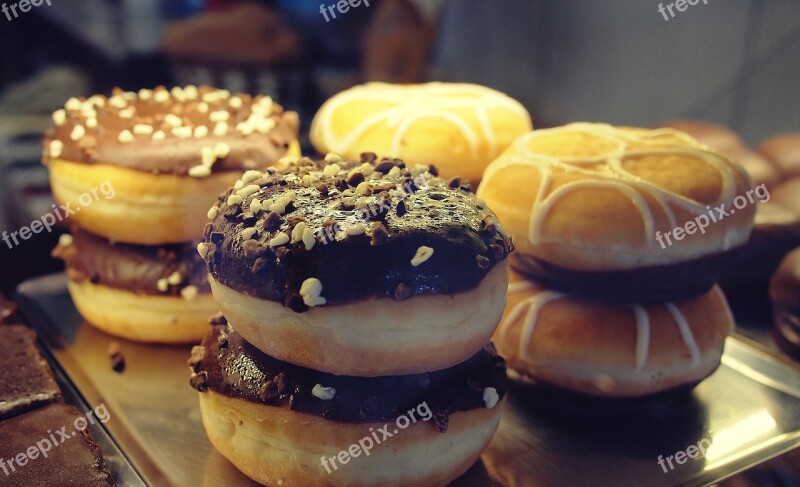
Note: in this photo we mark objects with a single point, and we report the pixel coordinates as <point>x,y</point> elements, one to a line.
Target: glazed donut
<point>460,127</point>
<point>141,293</point>
<point>358,268</point>
<point>276,422</point>
<point>762,170</point>
<point>716,136</point>
<point>592,210</point>
<point>784,151</point>
<point>611,350</point>
<point>159,156</point>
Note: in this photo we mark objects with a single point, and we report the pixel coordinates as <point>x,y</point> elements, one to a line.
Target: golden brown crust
<point>784,151</point>
<point>276,446</point>
<point>143,318</point>
<point>591,197</point>
<point>611,349</point>
<point>364,338</point>
<point>458,127</point>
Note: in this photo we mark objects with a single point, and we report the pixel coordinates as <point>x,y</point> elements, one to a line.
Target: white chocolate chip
<point>221,129</point>
<point>125,136</point>
<point>190,92</point>
<point>202,249</point>
<point>297,231</point>
<point>207,156</point>
<point>238,185</point>
<point>490,397</point>
<point>97,100</point>
<point>423,254</point>
<point>393,172</point>
<point>363,188</point>
<point>255,205</point>
<point>177,93</point>
<point>59,117</point>
<point>219,116</point>
<point>202,107</point>
<point>245,128</point>
<point>222,150</point>
<point>279,239</point>
<point>308,239</point>
<point>248,190</point>
<point>117,101</point>
<point>199,171</point>
<point>212,212</point>
<point>324,393</point>
<point>73,104</point>
<point>145,94</point>
<point>174,278</point>
<point>235,199</point>
<point>309,179</point>
<point>65,240</point>
<point>162,285</point>
<point>77,132</point>
<point>91,122</point>
<point>249,233</point>
<point>235,102</point>
<point>161,96</point>
<point>173,120</point>
<point>142,129</point>
<point>127,112</point>
<point>331,170</point>
<point>182,132</point>
<point>287,160</point>
<point>56,147</point>
<point>159,135</point>
<point>200,131</point>
<point>251,175</point>
<point>357,229</point>
<point>189,293</point>
<point>332,157</point>
<point>264,126</point>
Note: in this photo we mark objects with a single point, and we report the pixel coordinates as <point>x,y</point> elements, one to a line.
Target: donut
<point>761,169</point>
<point>784,151</point>
<point>281,424</point>
<point>151,161</point>
<point>611,350</point>
<point>784,293</point>
<point>361,268</point>
<point>713,135</point>
<point>143,293</point>
<point>620,213</point>
<point>460,127</point>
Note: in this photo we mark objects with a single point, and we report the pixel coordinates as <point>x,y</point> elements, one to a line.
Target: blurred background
<point>734,63</point>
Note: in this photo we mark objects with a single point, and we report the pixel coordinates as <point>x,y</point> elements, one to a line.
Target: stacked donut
<point>620,235</point>
<point>133,173</point>
<point>461,127</point>
<point>361,296</point>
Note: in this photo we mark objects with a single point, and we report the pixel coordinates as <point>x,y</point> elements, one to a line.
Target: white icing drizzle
<point>532,305</point>
<point>407,105</point>
<point>642,334</point>
<point>686,333</point>
<point>607,171</point>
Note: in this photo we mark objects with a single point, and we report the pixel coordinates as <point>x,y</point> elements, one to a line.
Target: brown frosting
<point>26,382</point>
<point>228,365</point>
<point>165,270</point>
<point>71,461</point>
<point>362,229</point>
<point>161,131</point>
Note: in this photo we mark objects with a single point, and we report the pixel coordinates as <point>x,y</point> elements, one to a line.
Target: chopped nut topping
<point>423,254</point>
<point>324,393</point>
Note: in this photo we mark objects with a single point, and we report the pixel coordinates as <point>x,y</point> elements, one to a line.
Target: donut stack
<point>133,173</point>
<point>361,296</point>
<point>601,307</point>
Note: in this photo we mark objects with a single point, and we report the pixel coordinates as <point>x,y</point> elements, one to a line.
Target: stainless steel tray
<point>748,411</point>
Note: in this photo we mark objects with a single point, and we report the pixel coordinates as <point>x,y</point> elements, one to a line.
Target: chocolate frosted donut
<point>138,292</point>
<point>259,412</point>
<point>232,367</point>
<point>336,244</point>
<point>158,155</point>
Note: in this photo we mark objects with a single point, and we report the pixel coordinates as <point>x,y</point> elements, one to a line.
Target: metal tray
<point>748,411</point>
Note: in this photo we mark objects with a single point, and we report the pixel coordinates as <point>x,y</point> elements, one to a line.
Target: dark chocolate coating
<point>133,268</point>
<point>75,461</point>
<point>641,285</point>
<point>26,381</point>
<point>401,211</point>
<point>231,366</point>
<point>173,154</point>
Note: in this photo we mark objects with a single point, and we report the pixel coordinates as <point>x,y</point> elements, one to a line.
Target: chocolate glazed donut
<point>344,254</point>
